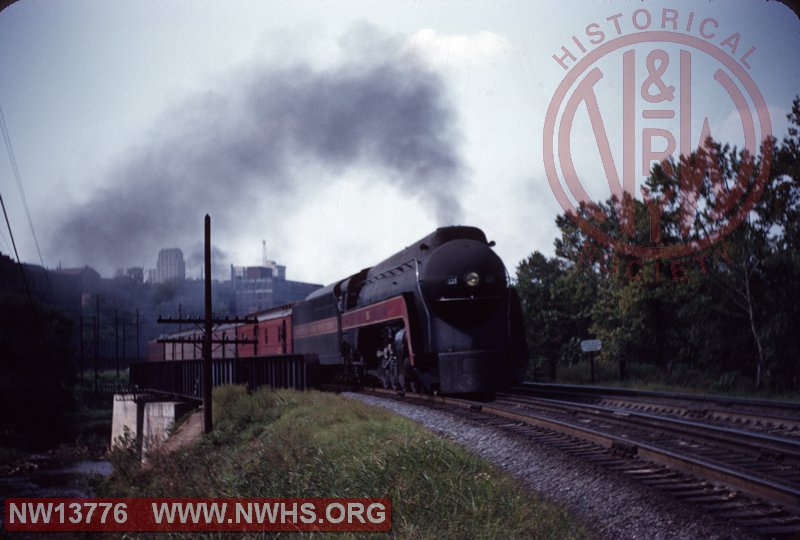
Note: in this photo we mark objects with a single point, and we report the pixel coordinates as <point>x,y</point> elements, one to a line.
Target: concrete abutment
<point>145,420</point>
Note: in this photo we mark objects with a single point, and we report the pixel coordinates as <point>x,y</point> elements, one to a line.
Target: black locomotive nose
<point>461,270</point>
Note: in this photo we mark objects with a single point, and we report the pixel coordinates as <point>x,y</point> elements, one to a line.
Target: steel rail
<point>724,402</point>
<point>770,490</point>
<point>754,485</point>
<point>738,438</point>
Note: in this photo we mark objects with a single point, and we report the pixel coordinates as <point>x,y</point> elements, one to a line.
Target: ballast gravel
<point>609,504</point>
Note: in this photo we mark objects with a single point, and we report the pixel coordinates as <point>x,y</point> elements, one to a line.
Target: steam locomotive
<point>438,316</point>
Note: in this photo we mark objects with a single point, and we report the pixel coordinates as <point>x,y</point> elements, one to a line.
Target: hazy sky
<point>339,132</point>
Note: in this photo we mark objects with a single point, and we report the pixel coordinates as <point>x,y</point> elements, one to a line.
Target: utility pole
<point>82,353</point>
<point>116,340</point>
<point>138,356</point>
<point>96,339</point>
<point>207,425</point>
<point>207,323</point>
<point>124,339</point>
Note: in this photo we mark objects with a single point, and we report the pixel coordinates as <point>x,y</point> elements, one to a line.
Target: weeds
<point>291,444</point>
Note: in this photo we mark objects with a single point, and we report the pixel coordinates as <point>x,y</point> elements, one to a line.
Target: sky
<point>337,132</point>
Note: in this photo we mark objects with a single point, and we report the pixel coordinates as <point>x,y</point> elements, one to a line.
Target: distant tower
<point>263,253</point>
<point>170,266</point>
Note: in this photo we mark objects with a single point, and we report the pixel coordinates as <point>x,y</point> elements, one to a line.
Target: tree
<point>726,309</point>
<point>556,306</point>
<point>779,218</point>
<point>38,372</point>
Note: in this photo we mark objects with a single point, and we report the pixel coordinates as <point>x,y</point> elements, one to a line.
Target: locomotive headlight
<point>472,279</point>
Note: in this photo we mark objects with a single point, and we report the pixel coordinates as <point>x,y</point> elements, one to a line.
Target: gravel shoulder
<point>612,506</point>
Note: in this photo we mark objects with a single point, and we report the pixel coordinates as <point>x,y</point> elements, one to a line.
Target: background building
<point>170,266</point>
<point>261,287</point>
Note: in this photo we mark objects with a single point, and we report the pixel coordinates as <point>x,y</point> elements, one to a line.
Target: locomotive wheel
<point>408,377</point>
<point>390,377</point>
<point>394,375</point>
<point>390,372</point>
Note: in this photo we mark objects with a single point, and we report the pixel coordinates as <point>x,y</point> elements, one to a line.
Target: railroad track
<point>780,418</point>
<point>750,478</point>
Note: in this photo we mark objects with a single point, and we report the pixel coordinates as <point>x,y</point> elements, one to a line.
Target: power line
<point>5,242</point>
<point>16,254</point>
<point>37,319</point>
<point>12,158</point>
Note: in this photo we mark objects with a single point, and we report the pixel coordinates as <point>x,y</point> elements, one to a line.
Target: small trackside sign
<point>590,345</point>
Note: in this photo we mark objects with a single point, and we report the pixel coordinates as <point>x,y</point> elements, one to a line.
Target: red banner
<point>208,514</point>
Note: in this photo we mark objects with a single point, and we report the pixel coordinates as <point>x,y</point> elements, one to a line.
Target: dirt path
<point>188,432</point>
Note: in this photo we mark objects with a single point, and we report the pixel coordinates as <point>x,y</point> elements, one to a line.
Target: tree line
<point>727,312</point>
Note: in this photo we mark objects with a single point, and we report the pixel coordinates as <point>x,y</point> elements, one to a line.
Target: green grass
<point>682,379</point>
<point>90,423</point>
<point>292,444</point>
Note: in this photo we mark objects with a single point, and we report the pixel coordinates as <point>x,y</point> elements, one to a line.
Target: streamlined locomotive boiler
<point>439,314</point>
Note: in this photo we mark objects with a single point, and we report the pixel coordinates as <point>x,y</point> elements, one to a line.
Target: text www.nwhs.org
<point>305,514</point>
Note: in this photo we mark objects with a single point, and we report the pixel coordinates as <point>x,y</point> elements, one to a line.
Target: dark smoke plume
<point>253,146</point>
